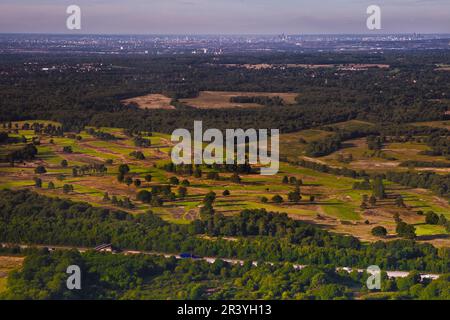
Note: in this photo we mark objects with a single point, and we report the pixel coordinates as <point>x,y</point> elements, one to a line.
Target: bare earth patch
<point>151,101</point>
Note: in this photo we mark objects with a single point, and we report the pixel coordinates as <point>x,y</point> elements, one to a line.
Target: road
<point>391,274</point>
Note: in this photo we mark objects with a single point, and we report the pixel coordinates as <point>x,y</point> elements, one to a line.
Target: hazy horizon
<point>225,17</point>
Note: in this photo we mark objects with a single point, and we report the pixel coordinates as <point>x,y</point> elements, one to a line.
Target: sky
<point>224,16</point>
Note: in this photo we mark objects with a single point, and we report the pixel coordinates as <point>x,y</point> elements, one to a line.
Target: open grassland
<point>221,99</point>
<point>327,200</point>
<point>8,264</point>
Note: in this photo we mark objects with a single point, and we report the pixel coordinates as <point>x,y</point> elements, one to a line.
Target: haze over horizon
<point>225,16</point>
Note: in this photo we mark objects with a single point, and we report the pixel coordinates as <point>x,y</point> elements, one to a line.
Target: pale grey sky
<point>225,16</point>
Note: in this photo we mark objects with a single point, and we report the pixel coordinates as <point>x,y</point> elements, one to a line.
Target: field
<point>390,157</point>
<point>327,200</point>
<point>221,99</point>
<point>8,264</point>
<point>150,101</point>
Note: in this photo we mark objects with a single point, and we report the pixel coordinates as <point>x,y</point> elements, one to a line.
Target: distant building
<point>105,248</point>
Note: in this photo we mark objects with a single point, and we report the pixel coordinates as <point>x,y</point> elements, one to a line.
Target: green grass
<point>429,230</point>
<point>3,282</point>
<point>341,211</point>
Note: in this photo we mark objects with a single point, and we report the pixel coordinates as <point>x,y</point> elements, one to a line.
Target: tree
<point>67,149</point>
<point>399,202</point>
<point>285,180</point>
<point>182,192</point>
<point>128,181</point>
<point>124,169</point>
<point>294,196</point>
<point>64,163</point>
<point>120,177</point>
<point>144,196</point>
<point>226,193</point>
<point>40,170</point>
<point>137,183</point>
<point>174,181</point>
<point>148,178</point>
<point>157,202</point>
<point>67,188</point>
<point>277,199</point>
<point>235,178</point>
<point>197,172</point>
<point>405,230</point>
<point>379,231</point>
<point>293,181</point>
<point>442,220</point>
<point>431,218</point>
<point>378,188</point>
<point>373,201</point>
<point>185,183</point>
<point>51,185</point>
<point>210,197</point>
<point>106,197</point>
<point>38,183</point>
<point>264,200</point>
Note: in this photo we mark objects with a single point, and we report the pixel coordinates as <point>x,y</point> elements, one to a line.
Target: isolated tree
<point>106,197</point>
<point>285,180</point>
<point>185,183</point>
<point>277,199</point>
<point>137,183</point>
<point>124,169</point>
<point>67,149</point>
<point>51,185</point>
<point>379,231</point>
<point>264,200</point>
<point>40,170</point>
<point>148,178</point>
<point>64,163</point>
<point>128,181</point>
<point>226,193</point>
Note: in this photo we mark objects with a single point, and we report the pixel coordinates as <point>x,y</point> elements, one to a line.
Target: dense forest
<point>410,91</point>
<point>28,218</point>
<point>106,276</point>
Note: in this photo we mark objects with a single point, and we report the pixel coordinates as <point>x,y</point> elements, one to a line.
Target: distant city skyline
<point>225,16</point>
